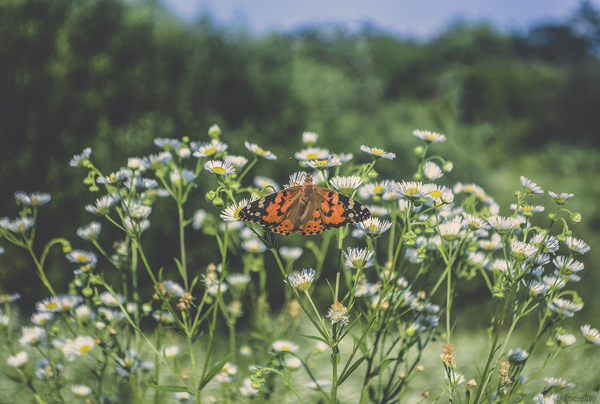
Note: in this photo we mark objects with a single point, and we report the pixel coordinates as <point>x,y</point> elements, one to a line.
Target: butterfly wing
<point>273,211</point>
<point>331,210</point>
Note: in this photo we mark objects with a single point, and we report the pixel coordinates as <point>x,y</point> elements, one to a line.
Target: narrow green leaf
<point>170,388</point>
<point>180,267</point>
<point>213,372</point>
<point>351,369</point>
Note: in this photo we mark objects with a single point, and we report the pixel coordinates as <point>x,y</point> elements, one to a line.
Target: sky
<point>413,18</point>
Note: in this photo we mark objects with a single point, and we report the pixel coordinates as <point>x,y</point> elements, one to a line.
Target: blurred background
<point>515,88</point>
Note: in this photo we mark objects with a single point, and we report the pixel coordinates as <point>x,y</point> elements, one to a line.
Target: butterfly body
<point>307,209</point>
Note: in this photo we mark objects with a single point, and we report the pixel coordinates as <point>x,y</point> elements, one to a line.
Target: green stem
<point>182,245</point>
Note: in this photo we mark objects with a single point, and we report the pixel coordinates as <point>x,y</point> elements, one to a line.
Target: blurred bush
<point>114,76</point>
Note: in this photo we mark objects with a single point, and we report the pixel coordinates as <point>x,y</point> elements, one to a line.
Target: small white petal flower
<point>302,280</point>
<point>522,251</point>
<point>259,151</point>
<point>564,307</point>
<point>560,383</point>
<point>171,352</point>
<point>18,360</point>
<point>218,167</point>
<point>359,258</point>
<point>432,171</point>
<point>312,153</point>
<point>80,346</point>
<point>81,159</point>
<point>208,149</point>
<point>591,335</point>
<point>378,153</point>
<point>309,138</point>
<point>168,144</point>
<point>111,301</point>
<point>412,189</point>
<point>565,340</point>
<point>237,161</point>
<point>324,163</point>
<point>199,217</point>
<point>317,385</point>
<point>346,185</point>
<point>284,346</point>
<point>560,199</point>
<point>32,336</point>
<point>530,187</point>
<point>373,227</point>
<point>90,232</point>
<point>290,253</point>
<point>517,355</point>
<point>502,224</point>
<point>577,246</point>
<point>80,390</point>
<point>429,137</point>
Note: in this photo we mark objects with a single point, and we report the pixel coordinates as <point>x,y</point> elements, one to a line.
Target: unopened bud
<point>214,131</point>
<point>576,217</point>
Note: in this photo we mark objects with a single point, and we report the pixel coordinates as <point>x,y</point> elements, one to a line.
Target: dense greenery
<point>113,76</point>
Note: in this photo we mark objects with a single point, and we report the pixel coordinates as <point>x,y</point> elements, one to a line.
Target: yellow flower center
<point>378,189</point>
<point>258,150</point>
<point>85,349</point>
<point>82,258</point>
<point>322,163</point>
<point>210,151</point>
<point>285,348</point>
<point>435,194</point>
<point>430,136</point>
<point>412,191</point>
<point>312,156</point>
<point>51,305</point>
<point>377,151</point>
<point>218,170</point>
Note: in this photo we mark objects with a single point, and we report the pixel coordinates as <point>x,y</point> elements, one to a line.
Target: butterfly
<point>306,209</point>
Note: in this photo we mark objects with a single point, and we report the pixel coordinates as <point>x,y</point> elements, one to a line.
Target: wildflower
<point>338,313</point>
<point>522,251</point>
<point>156,161</point>
<point>183,177</point>
<point>80,346</point>
<point>577,246</point>
<point>378,153</point>
<point>292,363</point>
<point>284,346</point>
<point>541,399</point>
<point>214,288</point>
<point>447,357</point>
<point>455,379</point>
<point>359,258</point>
<point>172,289</point>
<point>184,397</point>
<point>208,149</point>
<point>19,225</point>
<point>373,227</point>
<point>296,179</point>
<point>591,335</point>
<point>476,223</point>
<point>67,302</point>
<point>560,199</point>
<point>309,138</point>
<point>517,355</point>
<point>115,178</point>
<point>565,340</point>
<point>429,137</point>
<point>89,232</point>
<point>317,385</point>
<point>290,253</point>
<point>171,352</point>
<point>560,383</point>
<point>549,245</point>
<point>376,189</point>
<point>564,307</point>
<point>80,390</point>
<point>82,257</point>
<point>259,151</point>
<point>218,167</point>
<point>530,187</point>
<point>472,384</point>
<point>7,298</point>
<point>164,317</point>
<point>141,184</point>
<point>33,199</point>
<point>103,205</point>
<point>136,164</point>
<point>346,185</point>
<point>432,171</point>
<point>45,371</point>
<point>51,304</point>
<point>502,224</point>
<point>237,161</point>
<point>413,190</point>
<point>266,183</point>
<point>32,336</point>
<point>168,144</point>
<point>324,163</point>
<point>83,313</point>
<point>537,288</point>
<point>450,231</point>
<point>345,157</point>
<point>312,153</point>
<point>302,280</point>
<point>111,300</point>
<point>17,361</point>
<point>42,318</point>
<point>81,159</point>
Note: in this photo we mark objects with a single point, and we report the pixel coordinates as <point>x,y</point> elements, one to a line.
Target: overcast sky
<point>415,18</point>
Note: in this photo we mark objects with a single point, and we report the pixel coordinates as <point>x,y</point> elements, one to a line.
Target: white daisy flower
<point>432,171</point>
<point>80,346</point>
<point>218,167</point>
<point>208,149</point>
<point>577,246</point>
<point>312,153</point>
<point>528,208</point>
<point>33,199</point>
<point>292,363</point>
<point>17,361</point>
<point>238,280</point>
<point>266,183</point>
<point>42,317</point>
<point>564,307</point>
<point>173,289</point>
<point>412,189</point>
<point>214,131</point>
<point>376,189</point>
<point>103,205</point>
<point>309,138</point>
<point>296,179</point>
<point>81,159</point>
<point>253,245</point>
<point>198,220</point>
<point>359,258</point>
<point>473,189</point>
<point>475,223</point>
<point>429,137</point>
<point>346,185</point>
<point>503,224</point>
<point>377,210</point>
<point>136,164</point>
<point>83,313</point>
<point>457,379</point>
<point>163,317</point>
<point>140,184</point>
<point>324,163</point>
<point>537,288</point>
<point>19,225</point>
<point>554,282</point>
<point>68,302</point>
<point>522,251</point>
<point>450,231</point>
<point>373,227</point>
<point>111,301</point>
<point>115,178</point>
<point>565,340</point>
<point>259,151</point>
<point>290,253</point>
<point>183,177</point>
<point>317,385</point>
<point>237,161</point>
<point>302,280</point>
<point>156,161</point>
<point>284,346</point>
<point>560,199</point>
<point>517,355</point>
<point>168,144</point>
<point>560,383</point>
<point>439,195</point>
<point>378,153</point>
<point>184,397</point>
<point>567,265</point>
<point>591,335</point>
<point>51,304</point>
<point>80,390</point>
<point>530,187</point>
<point>82,257</point>
<point>32,336</point>
<point>498,265</point>
<point>171,352</point>
<point>550,245</point>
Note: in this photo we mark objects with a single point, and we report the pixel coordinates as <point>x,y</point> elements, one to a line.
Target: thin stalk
<point>182,244</point>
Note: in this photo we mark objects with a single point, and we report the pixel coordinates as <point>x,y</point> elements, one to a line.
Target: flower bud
<point>184,152</point>
<point>185,139</point>
<point>448,166</point>
<point>210,195</point>
<point>552,216</point>
<point>417,177</point>
<point>217,201</point>
<point>576,217</point>
<point>214,131</point>
<point>419,150</point>
<point>373,174</point>
<point>87,292</point>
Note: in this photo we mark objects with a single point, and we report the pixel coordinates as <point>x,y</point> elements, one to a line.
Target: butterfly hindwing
<point>338,210</point>
<point>271,210</point>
